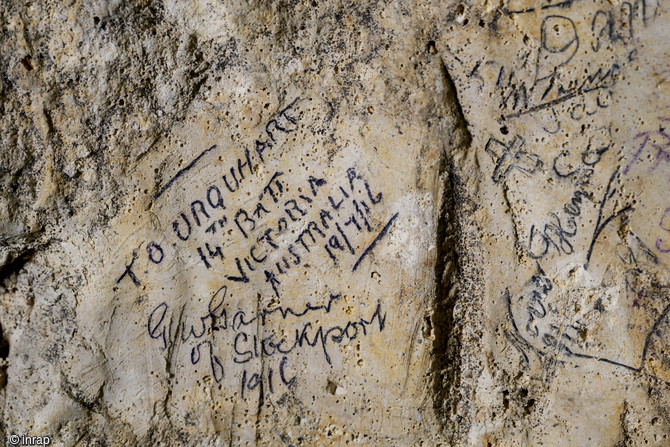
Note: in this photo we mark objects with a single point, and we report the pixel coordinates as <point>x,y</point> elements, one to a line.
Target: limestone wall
<point>335,223</point>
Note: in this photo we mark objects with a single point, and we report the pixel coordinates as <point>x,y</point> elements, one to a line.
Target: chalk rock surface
<point>335,223</point>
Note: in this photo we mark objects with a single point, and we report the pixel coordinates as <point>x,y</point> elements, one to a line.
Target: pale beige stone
<point>466,205</point>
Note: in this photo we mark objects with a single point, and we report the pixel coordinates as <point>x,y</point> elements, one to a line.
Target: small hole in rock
<point>4,346</point>
<point>529,406</point>
<point>27,63</point>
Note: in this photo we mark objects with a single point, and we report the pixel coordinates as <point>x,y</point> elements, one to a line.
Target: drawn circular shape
<point>563,170</point>
<point>590,157</point>
<point>155,253</point>
<point>558,33</point>
<point>665,215</point>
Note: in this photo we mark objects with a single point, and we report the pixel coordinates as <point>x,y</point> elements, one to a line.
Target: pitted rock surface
<point>335,223</point>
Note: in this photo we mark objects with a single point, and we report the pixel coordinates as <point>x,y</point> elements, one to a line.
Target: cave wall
<point>335,223</point>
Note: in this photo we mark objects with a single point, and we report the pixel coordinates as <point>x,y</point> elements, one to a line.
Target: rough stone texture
<point>335,223</point>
